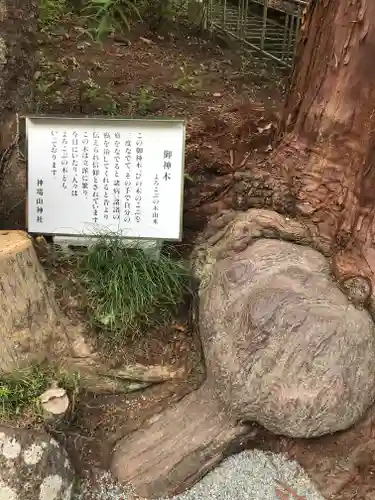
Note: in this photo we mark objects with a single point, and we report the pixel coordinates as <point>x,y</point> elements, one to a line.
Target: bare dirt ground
<point>231,105</point>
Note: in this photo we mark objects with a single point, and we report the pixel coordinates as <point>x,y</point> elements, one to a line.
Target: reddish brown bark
<point>327,145</point>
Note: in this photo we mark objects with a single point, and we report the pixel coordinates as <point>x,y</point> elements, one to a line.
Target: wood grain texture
<point>177,447</point>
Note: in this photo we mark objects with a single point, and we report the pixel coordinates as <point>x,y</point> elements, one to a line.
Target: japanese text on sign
<point>105,176</point>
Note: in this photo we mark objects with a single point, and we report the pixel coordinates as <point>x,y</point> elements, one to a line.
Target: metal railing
<point>269,27</point>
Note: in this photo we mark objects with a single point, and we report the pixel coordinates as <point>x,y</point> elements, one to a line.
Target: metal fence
<point>269,27</point>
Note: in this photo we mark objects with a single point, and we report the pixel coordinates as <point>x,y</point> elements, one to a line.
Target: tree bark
<point>178,447</point>
<point>326,148</point>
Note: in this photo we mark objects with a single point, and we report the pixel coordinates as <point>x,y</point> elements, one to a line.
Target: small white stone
<point>54,443</point>
<point>11,448</point>
<point>33,454</point>
<point>50,487</point>
<point>67,464</point>
<point>7,493</point>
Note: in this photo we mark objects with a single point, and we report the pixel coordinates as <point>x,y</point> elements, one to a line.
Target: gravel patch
<point>103,487</point>
<point>250,475</point>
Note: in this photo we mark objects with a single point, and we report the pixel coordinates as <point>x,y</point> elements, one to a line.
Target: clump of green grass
<point>51,12</point>
<point>20,390</point>
<point>128,290</point>
<point>144,101</point>
<point>111,15</point>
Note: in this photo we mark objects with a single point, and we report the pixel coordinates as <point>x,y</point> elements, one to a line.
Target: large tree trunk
<point>270,341</point>
<point>327,136</point>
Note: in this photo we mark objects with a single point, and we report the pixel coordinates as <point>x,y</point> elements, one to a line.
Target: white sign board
<point>102,176</point>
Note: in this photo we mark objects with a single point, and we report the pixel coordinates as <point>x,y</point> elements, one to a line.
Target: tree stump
<point>30,328</point>
<point>54,403</point>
